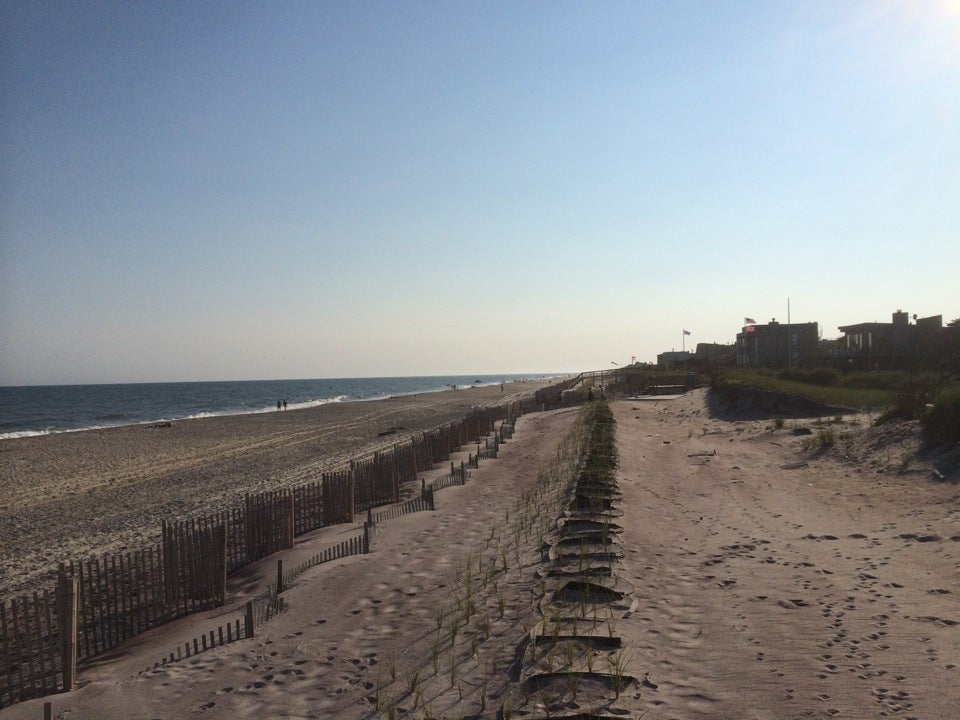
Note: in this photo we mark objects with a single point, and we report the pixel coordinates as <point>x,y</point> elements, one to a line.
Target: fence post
<point>248,621</point>
<point>396,472</point>
<point>69,592</point>
<point>169,565</point>
<point>413,449</point>
<point>291,525</point>
<point>326,493</point>
<point>221,548</point>
<point>368,527</point>
<point>248,505</point>
<point>352,489</point>
<point>279,576</point>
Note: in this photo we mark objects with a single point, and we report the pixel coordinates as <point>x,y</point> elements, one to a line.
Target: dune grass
<point>845,395</point>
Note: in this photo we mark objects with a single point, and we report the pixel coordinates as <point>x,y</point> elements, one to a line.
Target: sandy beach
<point>69,496</point>
<point>761,579</point>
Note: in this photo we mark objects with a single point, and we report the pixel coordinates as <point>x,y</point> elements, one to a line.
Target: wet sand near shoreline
<point>69,496</point>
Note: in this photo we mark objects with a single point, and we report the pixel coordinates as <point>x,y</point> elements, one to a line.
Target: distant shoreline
<point>31,411</point>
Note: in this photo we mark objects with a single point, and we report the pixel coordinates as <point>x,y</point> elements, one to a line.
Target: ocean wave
<point>49,431</point>
<point>317,403</point>
<point>24,433</point>
<point>270,408</point>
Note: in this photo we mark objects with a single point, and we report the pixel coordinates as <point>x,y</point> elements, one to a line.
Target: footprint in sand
<point>919,538</point>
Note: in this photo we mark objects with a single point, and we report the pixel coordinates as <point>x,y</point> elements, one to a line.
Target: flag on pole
<point>749,321</point>
<point>686,332</point>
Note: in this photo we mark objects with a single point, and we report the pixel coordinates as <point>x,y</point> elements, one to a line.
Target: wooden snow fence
<point>338,498</point>
<point>36,658</point>
<point>308,513</point>
<point>219,636</point>
<point>442,442</point>
<point>120,596</point>
<point>457,476</point>
<point>490,450</point>
<point>375,482</point>
<point>195,565</point>
<point>414,505</point>
<point>355,545</point>
<point>270,523</point>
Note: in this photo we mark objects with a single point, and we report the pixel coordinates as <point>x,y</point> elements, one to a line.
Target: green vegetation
<point>942,421</point>
<point>911,396</point>
<point>932,398</point>
<point>826,436</point>
<point>821,386</point>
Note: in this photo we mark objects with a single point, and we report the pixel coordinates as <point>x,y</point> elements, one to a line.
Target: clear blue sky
<point>236,190</point>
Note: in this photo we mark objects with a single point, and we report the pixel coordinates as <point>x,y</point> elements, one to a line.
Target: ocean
<point>38,410</point>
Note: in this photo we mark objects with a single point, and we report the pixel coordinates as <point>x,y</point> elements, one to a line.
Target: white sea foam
<point>270,408</point>
<point>317,403</point>
<point>23,434</point>
<point>36,433</point>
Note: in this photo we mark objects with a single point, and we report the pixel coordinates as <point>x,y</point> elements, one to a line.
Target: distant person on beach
<point>501,387</point>
<point>284,404</point>
<point>278,404</point>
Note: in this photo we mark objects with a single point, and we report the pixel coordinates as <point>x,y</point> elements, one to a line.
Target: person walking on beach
<point>278,404</point>
<point>284,404</point>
